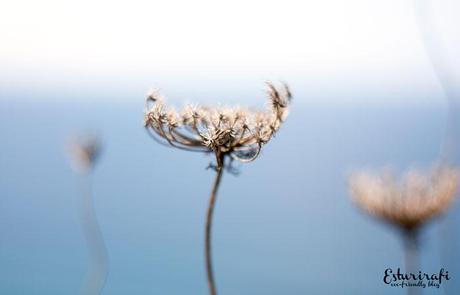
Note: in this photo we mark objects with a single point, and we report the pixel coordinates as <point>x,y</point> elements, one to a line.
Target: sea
<point>284,224</point>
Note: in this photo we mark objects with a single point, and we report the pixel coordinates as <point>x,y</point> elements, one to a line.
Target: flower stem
<point>98,269</point>
<point>208,226</point>
<point>411,257</point>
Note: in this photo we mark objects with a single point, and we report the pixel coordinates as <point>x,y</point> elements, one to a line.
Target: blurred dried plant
<point>84,151</point>
<point>235,133</point>
<point>407,203</point>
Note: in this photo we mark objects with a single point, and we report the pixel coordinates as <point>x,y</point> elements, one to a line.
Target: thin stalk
<point>411,258</point>
<point>208,226</point>
<point>98,269</point>
<point>443,69</point>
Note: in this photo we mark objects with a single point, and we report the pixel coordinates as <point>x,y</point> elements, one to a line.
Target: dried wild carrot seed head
<point>408,203</point>
<point>237,132</point>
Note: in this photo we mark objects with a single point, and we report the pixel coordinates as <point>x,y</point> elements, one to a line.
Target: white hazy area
<point>329,51</point>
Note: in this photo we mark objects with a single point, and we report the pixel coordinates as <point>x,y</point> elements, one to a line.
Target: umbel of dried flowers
<point>236,132</point>
<point>228,132</point>
<point>407,203</point>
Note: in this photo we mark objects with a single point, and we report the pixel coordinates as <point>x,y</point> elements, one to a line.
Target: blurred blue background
<point>283,226</point>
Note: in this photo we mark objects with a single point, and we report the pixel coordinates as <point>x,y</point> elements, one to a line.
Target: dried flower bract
<point>237,132</point>
<point>408,203</point>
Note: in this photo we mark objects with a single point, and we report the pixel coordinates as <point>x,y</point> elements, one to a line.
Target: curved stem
<point>98,268</point>
<point>208,226</point>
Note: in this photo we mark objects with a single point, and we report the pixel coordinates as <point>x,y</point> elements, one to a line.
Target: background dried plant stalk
<point>236,133</point>
<point>84,152</point>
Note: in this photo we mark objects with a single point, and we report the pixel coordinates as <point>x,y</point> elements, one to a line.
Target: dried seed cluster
<point>237,132</point>
<point>410,202</point>
<point>84,151</point>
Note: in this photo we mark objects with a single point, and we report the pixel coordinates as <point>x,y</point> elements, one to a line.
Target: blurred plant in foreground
<point>406,204</point>
<point>84,152</point>
<point>228,133</point>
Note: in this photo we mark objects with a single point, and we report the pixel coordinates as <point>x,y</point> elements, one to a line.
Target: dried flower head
<point>408,203</point>
<point>84,151</point>
<point>237,132</point>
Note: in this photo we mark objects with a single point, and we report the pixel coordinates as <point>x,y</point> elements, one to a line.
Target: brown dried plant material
<point>84,151</point>
<point>228,132</point>
<point>237,132</point>
<point>408,203</point>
